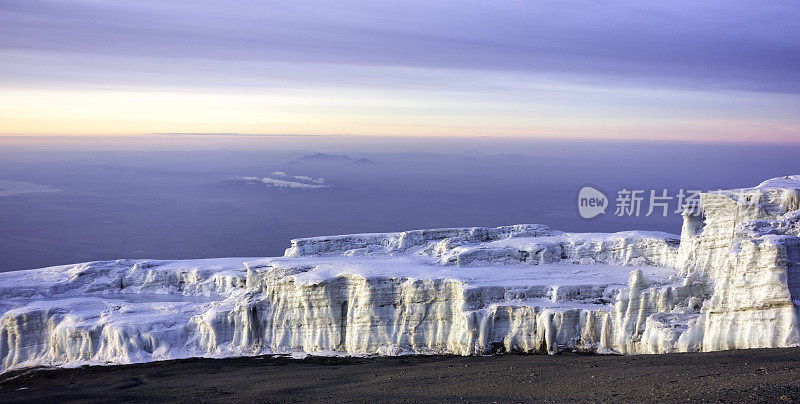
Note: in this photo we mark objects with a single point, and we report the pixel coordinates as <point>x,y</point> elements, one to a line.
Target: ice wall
<point>730,281</point>
<point>744,244</point>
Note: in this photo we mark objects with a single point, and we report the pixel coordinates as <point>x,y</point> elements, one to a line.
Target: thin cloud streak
<point>734,45</point>
<point>673,70</point>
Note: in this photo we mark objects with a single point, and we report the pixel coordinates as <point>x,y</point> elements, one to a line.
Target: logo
<point>591,202</point>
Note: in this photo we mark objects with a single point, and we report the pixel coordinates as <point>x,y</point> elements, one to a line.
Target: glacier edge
<point>730,281</point>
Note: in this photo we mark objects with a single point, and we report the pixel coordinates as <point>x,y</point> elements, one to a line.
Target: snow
<point>558,274</point>
<point>731,280</point>
<point>787,182</point>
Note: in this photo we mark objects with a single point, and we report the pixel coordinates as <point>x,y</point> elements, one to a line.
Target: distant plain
<point>174,202</point>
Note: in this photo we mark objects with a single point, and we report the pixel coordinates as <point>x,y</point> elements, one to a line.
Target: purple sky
<point>677,70</point>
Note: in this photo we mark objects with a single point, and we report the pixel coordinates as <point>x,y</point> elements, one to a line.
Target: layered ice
<point>731,280</point>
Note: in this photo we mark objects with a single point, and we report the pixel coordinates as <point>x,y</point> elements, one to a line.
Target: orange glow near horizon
<point>662,71</point>
<point>369,113</point>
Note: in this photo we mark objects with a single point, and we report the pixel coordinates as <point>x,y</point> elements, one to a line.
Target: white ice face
<point>732,280</point>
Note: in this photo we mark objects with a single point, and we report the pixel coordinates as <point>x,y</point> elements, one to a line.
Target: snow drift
<point>730,281</point>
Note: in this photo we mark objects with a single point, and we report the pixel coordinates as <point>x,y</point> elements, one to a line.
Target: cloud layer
<point>272,182</point>
<point>394,67</point>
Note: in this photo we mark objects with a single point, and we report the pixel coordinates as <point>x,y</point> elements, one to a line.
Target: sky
<point>679,70</point>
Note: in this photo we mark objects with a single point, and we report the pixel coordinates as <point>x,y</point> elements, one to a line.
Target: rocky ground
<point>729,376</point>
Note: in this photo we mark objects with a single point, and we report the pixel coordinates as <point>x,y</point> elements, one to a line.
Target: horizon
<point>355,139</point>
<point>717,72</point>
<point>334,201</point>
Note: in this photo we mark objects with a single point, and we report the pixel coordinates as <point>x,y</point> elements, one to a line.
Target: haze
<point>679,70</point>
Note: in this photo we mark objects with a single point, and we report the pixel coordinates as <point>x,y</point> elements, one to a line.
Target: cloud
<point>309,179</point>
<point>715,44</point>
<point>19,187</point>
<point>272,182</point>
<point>332,158</point>
<point>297,177</point>
<point>716,70</point>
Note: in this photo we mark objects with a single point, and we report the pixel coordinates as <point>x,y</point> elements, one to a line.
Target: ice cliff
<point>730,281</point>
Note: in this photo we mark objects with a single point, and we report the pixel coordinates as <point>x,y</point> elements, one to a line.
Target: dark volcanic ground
<point>731,376</point>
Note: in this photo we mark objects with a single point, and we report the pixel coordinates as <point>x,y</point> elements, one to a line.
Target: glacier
<point>731,280</point>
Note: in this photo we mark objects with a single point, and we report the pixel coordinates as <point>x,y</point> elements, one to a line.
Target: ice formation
<point>730,281</point>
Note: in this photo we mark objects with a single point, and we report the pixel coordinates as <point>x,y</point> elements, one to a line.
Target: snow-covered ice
<point>731,280</point>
